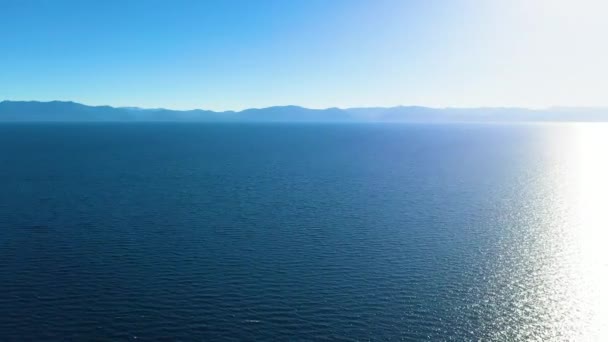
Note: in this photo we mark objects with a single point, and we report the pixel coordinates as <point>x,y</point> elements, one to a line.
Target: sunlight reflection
<point>567,286</point>
<point>590,198</point>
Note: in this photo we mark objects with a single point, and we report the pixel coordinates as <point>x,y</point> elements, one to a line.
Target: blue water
<point>283,232</point>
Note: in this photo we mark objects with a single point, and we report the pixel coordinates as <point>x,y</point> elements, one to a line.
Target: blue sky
<point>230,54</point>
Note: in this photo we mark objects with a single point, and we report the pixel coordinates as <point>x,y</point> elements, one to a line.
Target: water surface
<point>279,232</point>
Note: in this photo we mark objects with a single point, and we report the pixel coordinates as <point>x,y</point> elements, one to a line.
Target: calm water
<point>283,232</point>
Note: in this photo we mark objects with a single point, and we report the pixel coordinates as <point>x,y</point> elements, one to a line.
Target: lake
<point>302,232</point>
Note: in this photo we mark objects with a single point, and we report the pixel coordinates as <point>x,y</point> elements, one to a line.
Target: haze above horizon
<point>233,55</point>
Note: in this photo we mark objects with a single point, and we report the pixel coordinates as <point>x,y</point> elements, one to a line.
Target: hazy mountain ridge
<point>67,111</point>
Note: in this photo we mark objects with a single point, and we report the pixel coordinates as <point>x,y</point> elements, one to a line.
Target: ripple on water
<point>253,232</point>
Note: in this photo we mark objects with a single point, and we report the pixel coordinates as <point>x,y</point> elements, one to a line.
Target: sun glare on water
<point>582,234</point>
<point>591,200</point>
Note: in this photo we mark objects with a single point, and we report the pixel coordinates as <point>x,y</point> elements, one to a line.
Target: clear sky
<point>229,54</point>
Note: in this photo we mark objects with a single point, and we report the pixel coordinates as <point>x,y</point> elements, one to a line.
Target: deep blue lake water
<point>302,232</point>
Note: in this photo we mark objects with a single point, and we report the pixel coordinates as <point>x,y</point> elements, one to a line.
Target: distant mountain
<point>60,111</point>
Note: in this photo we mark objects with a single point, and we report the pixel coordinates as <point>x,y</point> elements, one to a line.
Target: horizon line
<point>314,108</point>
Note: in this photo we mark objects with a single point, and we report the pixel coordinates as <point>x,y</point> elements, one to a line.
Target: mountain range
<point>67,111</point>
